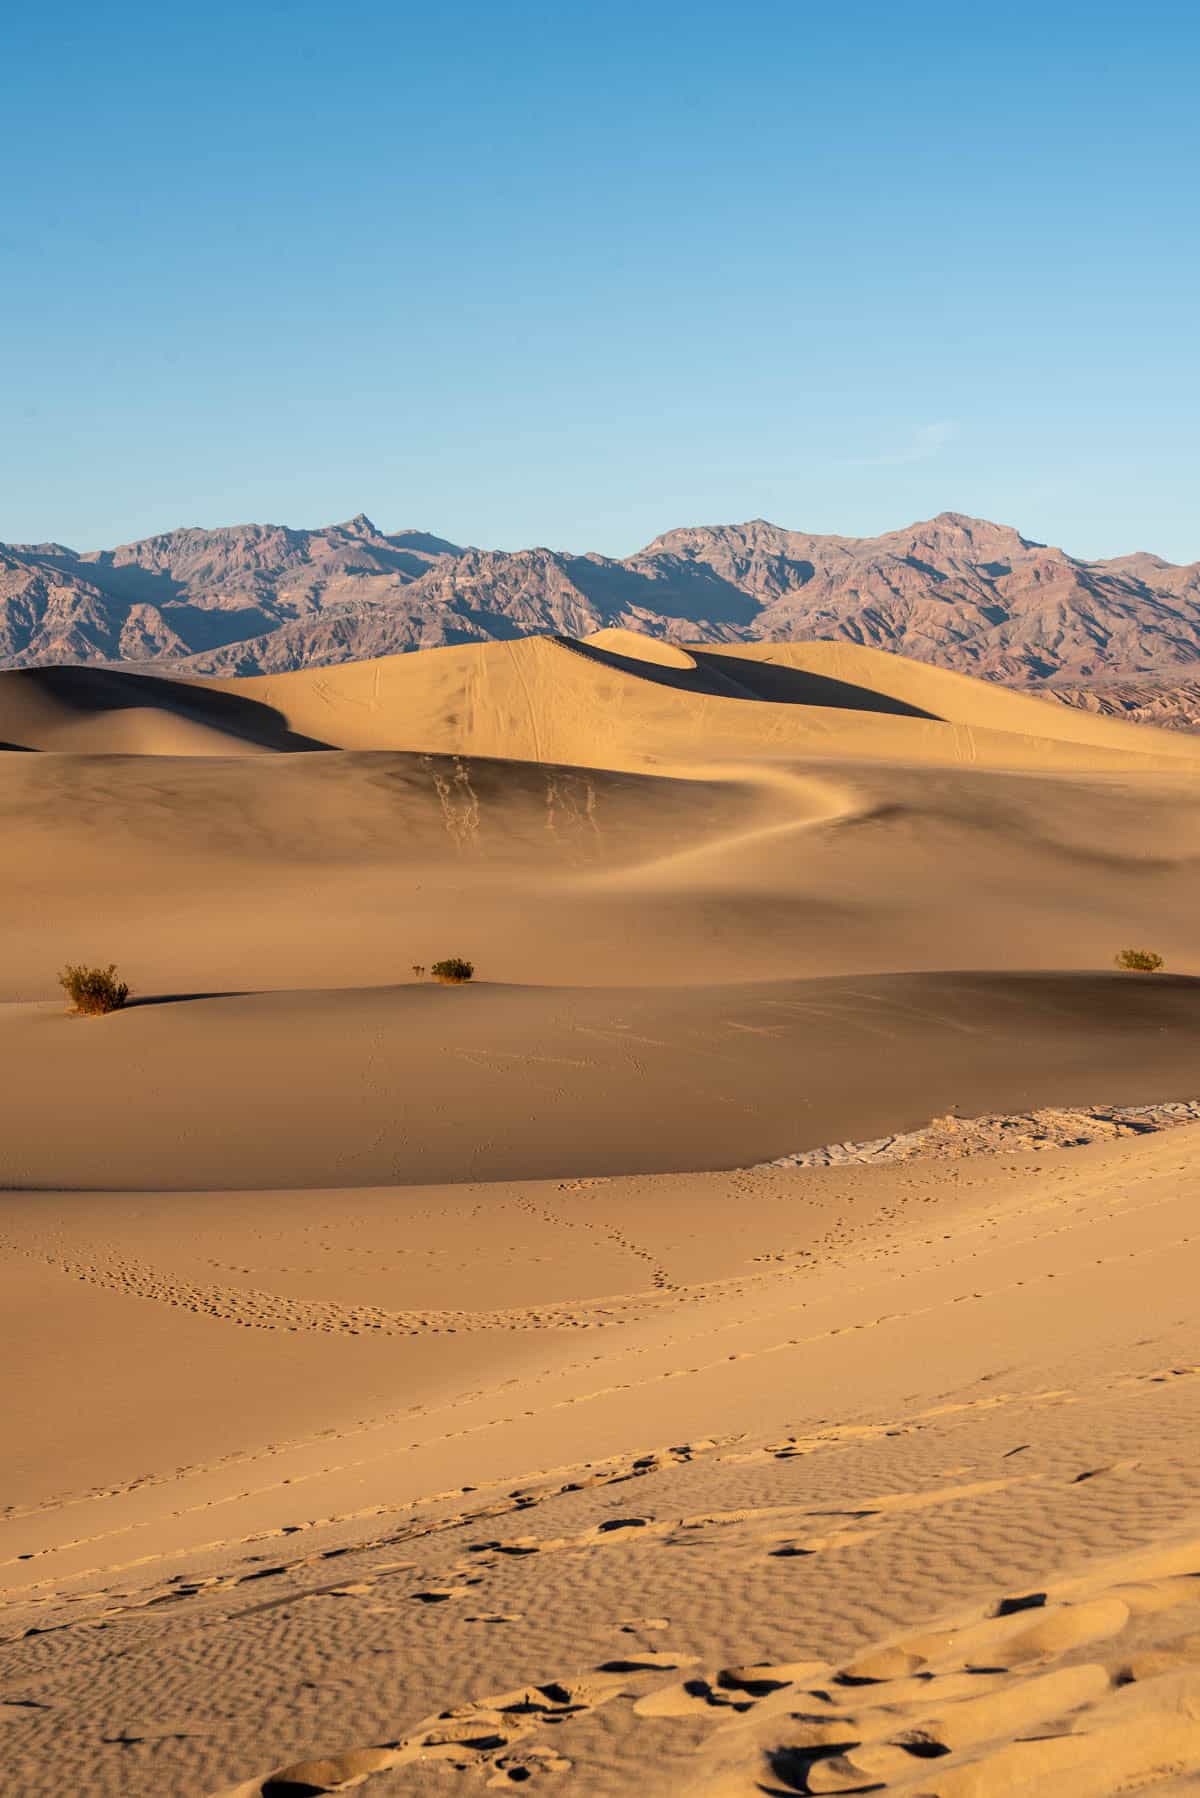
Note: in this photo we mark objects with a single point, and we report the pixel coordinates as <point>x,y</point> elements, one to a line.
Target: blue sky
<point>574,274</point>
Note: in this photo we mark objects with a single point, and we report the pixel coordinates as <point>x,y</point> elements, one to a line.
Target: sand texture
<point>436,1389</point>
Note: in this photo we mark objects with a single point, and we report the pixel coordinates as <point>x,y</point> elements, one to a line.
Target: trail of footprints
<point>548,1484</point>
<point>257,1309</point>
<point>975,1706</point>
<point>988,1703</point>
<point>865,1725</point>
<point>978,1706</point>
<point>660,1279</point>
<point>545,1486</point>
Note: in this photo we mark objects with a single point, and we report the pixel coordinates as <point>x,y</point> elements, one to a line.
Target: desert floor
<point>426,1386</point>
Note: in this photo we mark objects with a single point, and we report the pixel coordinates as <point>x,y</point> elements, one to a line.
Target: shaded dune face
<point>729,677</point>
<point>94,710</point>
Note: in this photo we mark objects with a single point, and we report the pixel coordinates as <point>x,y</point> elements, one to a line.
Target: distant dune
<point>613,700</point>
<point>575,812</point>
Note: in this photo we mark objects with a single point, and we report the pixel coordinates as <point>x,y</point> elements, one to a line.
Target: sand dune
<point>614,700</point>
<point>423,1083</point>
<point>102,711</point>
<point>426,1388</point>
<point>598,704</point>
<point>792,1503</point>
<point>303,871</point>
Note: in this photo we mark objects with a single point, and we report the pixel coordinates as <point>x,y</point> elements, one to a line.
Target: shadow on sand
<point>113,690</point>
<point>743,677</point>
<point>144,999</point>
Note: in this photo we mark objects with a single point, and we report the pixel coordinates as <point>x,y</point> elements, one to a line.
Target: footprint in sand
<point>443,1594</point>
<point>973,1708</point>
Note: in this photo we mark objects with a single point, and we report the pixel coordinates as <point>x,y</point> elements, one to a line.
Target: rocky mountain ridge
<point>955,591</point>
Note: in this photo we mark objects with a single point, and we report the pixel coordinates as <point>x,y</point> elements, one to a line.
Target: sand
<point>424,1387</point>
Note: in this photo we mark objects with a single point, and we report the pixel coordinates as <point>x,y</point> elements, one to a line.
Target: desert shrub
<point>453,971</point>
<point>93,991</point>
<point>1139,961</point>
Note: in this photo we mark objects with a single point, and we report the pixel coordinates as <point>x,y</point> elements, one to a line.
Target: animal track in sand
<point>257,1309</point>
<point>260,1309</point>
<point>660,1280</point>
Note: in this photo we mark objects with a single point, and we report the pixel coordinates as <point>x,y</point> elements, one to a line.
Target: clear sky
<point>576,273</point>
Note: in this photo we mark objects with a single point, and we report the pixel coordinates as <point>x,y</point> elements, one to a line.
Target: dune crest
<point>656,650</point>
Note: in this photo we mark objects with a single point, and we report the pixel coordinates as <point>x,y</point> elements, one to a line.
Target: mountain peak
<point>975,530</point>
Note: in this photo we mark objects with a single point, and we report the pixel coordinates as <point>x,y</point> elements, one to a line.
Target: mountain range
<point>1120,635</point>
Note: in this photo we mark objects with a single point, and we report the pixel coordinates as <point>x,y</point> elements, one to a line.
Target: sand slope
<point>420,1387</point>
<point>197,874</point>
<point>424,1083</point>
<point>753,1501</point>
<point>596,704</point>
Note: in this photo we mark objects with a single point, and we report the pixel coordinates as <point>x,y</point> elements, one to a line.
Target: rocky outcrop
<point>1153,699</point>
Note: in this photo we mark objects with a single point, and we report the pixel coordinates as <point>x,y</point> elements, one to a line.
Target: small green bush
<point>1139,961</point>
<point>93,991</point>
<point>453,971</point>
